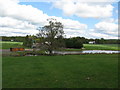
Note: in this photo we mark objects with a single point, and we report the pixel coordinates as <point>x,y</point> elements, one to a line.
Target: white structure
<point>91,42</point>
<point>12,40</point>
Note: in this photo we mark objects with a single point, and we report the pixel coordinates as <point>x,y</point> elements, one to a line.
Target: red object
<point>17,49</point>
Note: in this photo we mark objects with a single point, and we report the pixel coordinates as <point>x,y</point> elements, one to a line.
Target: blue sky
<point>90,20</point>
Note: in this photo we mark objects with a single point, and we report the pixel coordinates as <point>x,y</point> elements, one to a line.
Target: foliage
<point>51,36</point>
<point>73,43</point>
<point>82,39</point>
<point>13,38</point>
<point>28,42</point>
<point>101,47</point>
<point>78,44</point>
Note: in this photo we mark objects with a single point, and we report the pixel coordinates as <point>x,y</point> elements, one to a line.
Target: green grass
<point>72,49</point>
<point>68,71</point>
<point>97,47</point>
<point>8,44</point>
<point>101,47</point>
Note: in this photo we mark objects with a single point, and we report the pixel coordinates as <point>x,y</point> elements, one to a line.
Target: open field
<point>97,47</point>
<point>101,47</point>
<point>70,71</point>
<point>8,44</point>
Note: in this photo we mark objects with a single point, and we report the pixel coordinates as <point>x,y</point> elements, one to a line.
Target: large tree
<point>51,35</point>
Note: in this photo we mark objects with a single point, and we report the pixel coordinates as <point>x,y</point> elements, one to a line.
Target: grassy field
<point>70,71</point>
<point>97,47</point>
<point>8,44</point>
<point>101,47</point>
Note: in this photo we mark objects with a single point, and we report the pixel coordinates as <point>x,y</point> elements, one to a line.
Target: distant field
<point>70,71</point>
<point>97,47</point>
<point>8,44</point>
<point>101,47</point>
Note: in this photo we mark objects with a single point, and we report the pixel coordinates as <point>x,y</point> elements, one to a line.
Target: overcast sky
<point>84,18</point>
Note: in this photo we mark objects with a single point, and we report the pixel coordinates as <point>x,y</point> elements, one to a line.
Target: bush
<point>28,42</point>
<point>73,43</point>
<point>78,44</point>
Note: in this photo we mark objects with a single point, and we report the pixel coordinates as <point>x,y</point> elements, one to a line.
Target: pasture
<point>97,47</point>
<point>8,44</point>
<point>70,71</point>
<point>101,46</point>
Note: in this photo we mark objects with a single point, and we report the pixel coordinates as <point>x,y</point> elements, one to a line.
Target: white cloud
<point>16,32</point>
<point>107,29</point>
<point>22,12</point>
<point>106,1</point>
<point>86,9</point>
<point>14,23</point>
<point>110,20</point>
<point>74,33</point>
<point>101,35</point>
<point>71,24</point>
<point>20,20</point>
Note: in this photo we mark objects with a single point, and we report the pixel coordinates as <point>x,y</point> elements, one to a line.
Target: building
<point>91,42</point>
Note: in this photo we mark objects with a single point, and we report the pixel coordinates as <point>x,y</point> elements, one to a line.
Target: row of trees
<point>82,39</point>
<point>13,38</point>
<point>73,43</point>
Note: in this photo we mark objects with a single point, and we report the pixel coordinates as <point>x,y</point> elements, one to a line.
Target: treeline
<point>107,41</point>
<point>13,38</point>
<point>68,41</point>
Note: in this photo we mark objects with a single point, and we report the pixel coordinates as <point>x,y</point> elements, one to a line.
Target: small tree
<point>78,44</point>
<point>51,35</point>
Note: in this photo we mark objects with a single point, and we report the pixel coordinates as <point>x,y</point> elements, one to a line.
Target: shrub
<point>73,43</point>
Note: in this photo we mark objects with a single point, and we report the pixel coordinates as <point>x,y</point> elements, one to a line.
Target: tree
<point>97,41</point>
<point>74,42</point>
<point>51,35</point>
<point>102,40</point>
<point>78,44</point>
<point>28,41</point>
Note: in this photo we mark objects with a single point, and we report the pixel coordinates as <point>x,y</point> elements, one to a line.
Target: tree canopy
<point>51,35</point>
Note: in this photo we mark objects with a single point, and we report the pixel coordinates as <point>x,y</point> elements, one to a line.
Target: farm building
<point>91,42</point>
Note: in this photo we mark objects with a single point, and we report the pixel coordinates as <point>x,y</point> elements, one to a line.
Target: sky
<point>83,18</point>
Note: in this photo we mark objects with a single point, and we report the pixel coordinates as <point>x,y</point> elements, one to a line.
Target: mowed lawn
<point>8,44</point>
<point>101,46</point>
<point>70,71</point>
